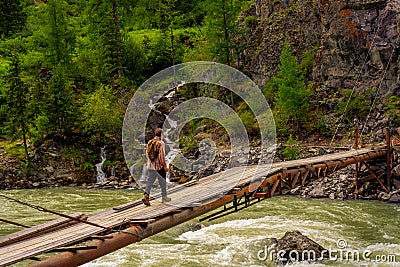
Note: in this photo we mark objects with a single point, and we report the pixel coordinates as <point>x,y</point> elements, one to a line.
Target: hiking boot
<point>146,199</point>
<point>165,199</point>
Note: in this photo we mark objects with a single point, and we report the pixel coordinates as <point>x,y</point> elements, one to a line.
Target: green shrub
<point>39,129</point>
<point>322,128</point>
<point>307,61</point>
<point>101,114</point>
<point>250,21</point>
<point>247,117</point>
<point>270,89</point>
<point>392,108</point>
<point>357,107</point>
<point>187,137</point>
<point>189,143</point>
<point>26,167</point>
<point>291,150</point>
<point>88,166</point>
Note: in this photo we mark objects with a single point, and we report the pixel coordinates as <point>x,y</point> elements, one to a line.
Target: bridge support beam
<point>312,170</point>
<point>132,235</point>
<point>103,247</point>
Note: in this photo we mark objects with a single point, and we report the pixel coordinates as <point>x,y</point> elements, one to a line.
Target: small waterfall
<point>167,178</point>
<point>113,171</point>
<point>143,177</point>
<point>172,152</point>
<point>101,176</point>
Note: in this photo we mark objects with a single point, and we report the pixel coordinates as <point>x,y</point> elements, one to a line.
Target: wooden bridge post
<point>388,159</point>
<point>356,147</point>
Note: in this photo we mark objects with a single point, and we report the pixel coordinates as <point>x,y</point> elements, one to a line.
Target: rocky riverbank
<point>54,164</point>
<point>339,185</point>
<point>51,168</point>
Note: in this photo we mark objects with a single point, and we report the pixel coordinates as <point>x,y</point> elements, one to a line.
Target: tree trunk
<point>24,140</point>
<point>119,41</point>
<point>172,45</point>
<point>56,33</point>
<point>226,37</point>
<point>173,51</point>
<point>23,126</point>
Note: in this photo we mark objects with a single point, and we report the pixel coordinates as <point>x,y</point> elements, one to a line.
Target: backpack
<point>151,149</point>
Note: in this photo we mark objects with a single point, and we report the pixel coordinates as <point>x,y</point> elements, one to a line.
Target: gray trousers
<point>161,175</point>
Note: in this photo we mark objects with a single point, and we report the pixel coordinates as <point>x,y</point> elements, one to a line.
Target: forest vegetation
<point>68,69</point>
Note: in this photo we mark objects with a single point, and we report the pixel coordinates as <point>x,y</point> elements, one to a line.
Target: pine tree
<point>61,109</point>
<point>58,107</point>
<point>3,96</point>
<point>221,28</point>
<point>12,17</point>
<point>17,102</point>
<point>60,37</point>
<point>166,13</point>
<point>105,26</point>
<point>291,99</point>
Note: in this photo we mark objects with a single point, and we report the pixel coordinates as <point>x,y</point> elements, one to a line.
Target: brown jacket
<point>159,162</point>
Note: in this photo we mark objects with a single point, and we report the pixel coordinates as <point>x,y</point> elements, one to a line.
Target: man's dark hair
<point>158,132</point>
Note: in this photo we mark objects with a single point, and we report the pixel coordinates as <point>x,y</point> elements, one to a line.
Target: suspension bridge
<point>76,239</point>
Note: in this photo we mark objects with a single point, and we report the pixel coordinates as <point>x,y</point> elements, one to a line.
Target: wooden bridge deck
<point>207,194</point>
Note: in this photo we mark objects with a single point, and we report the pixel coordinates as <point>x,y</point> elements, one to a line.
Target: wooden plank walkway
<point>23,245</point>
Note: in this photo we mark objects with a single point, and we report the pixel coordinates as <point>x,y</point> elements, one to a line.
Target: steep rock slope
<point>357,44</point>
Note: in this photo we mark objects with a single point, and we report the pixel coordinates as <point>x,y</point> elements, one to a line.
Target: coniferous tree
<point>61,109</point>
<point>3,98</point>
<point>221,28</point>
<point>60,37</point>
<point>59,106</point>
<point>291,99</point>
<point>167,11</point>
<point>106,32</point>
<point>17,102</point>
<point>12,17</point>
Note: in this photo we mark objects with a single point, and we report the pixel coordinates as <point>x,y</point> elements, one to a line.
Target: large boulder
<point>294,246</point>
<point>394,198</point>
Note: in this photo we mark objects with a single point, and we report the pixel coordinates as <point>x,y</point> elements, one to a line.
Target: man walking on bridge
<point>156,166</point>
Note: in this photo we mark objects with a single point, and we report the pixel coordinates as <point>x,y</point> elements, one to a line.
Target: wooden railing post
<point>356,147</point>
<point>388,159</point>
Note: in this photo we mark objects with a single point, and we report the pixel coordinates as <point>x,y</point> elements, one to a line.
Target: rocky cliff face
<point>357,43</point>
<point>268,25</point>
<point>354,38</point>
